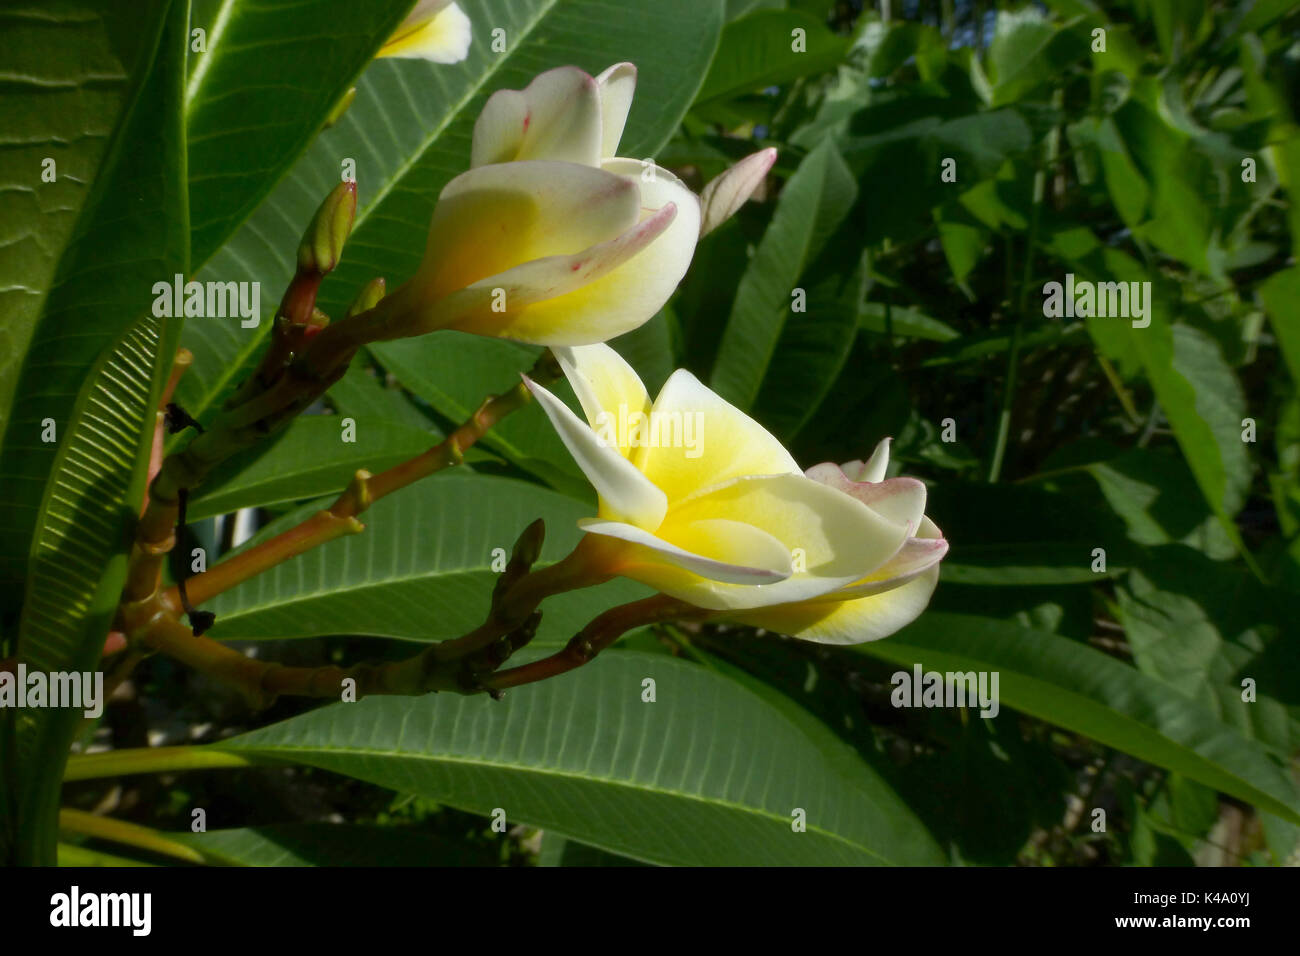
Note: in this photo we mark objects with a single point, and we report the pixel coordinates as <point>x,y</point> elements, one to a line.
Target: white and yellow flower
<point>550,237</point>
<point>435,30</point>
<point>892,595</point>
<point>732,524</point>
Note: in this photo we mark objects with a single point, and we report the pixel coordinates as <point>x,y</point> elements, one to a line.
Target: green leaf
<point>72,73</point>
<point>1050,539</point>
<point>811,207</point>
<point>1028,51</point>
<point>814,345</point>
<point>1073,686</point>
<point>904,321</point>
<point>758,51</point>
<point>557,851</point>
<point>1280,296</point>
<point>903,140</point>
<point>267,82</point>
<point>708,774</point>
<point>331,844</point>
<point>80,100</point>
<point>408,132</point>
<point>422,569</point>
<point>309,459</point>
<point>455,371</point>
<point>1204,628</point>
<point>1198,392</point>
<point>1157,497</point>
<point>1127,188</point>
<point>995,342</point>
<point>963,244</point>
<point>95,367</point>
<point>363,395</point>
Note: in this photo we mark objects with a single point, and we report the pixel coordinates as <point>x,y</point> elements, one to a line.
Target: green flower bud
<point>322,244</point>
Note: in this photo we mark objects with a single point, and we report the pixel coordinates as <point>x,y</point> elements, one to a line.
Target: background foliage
<point>1041,439</point>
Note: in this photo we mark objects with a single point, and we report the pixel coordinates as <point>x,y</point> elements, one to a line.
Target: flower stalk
<point>460,665</point>
<point>341,517</point>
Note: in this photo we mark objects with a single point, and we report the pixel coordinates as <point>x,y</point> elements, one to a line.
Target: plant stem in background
<point>121,763</point>
<point>1022,301</point>
<point>130,834</point>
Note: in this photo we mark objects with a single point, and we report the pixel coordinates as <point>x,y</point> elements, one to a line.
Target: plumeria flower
<point>550,237</point>
<point>435,30</point>
<point>889,597</point>
<point>729,522</point>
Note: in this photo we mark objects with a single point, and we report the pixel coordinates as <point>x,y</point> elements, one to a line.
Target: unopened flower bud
<point>322,244</point>
<point>367,298</point>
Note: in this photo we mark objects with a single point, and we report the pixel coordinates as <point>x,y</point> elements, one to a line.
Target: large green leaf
<point>422,569</point>
<point>708,773</point>
<point>408,133</point>
<point>455,371</point>
<point>362,394</point>
<point>74,92</point>
<point>1205,628</point>
<point>329,844</point>
<point>309,459</point>
<point>71,73</point>
<point>1157,497</point>
<point>814,345</point>
<point>268,80</point>
<point>1198,392</point>
<point>95,368</point>
<point>1073,686</point>
<point>764,49</point>
<point>811,206</point>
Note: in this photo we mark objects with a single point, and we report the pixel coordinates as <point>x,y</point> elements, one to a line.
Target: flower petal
<point>716,551</point>
<point>436,30</point>
<point>874,468</point>
<point>838,540</point>
<point>556,117</point>
<point>848,622</point>
<point>901,500</point>
<point>617,86</point>
<point>608,388</point>
<point>916,556</point>
<point>718,441</point>
<point>604,291</point>
<point>625,493</point>
<point>559,300</point>
<point>493,218</point>
<point>726,193</point>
